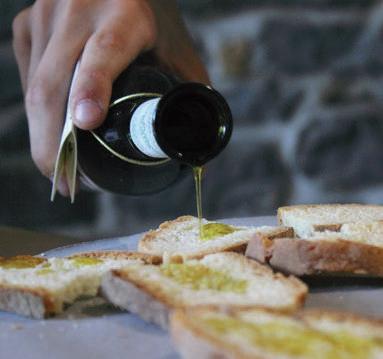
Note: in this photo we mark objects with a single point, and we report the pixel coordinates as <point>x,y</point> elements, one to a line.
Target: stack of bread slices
<point>219,293</point>
<point>330,239</point>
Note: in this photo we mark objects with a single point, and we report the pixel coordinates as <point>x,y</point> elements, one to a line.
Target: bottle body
<point>154,131</point>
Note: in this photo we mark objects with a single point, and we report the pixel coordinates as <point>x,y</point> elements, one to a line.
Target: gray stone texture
<point>344,149</point>
<point>305,84</point>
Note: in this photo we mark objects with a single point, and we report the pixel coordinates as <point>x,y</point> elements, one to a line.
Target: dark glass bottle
<point>156,128</point>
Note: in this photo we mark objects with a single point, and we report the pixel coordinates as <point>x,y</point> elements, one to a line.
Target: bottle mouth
<point>193,124</point>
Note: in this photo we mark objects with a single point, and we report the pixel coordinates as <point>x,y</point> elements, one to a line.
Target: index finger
<point>107,53</point>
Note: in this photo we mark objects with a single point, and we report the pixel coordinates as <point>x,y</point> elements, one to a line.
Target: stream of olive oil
<point>197,171</point>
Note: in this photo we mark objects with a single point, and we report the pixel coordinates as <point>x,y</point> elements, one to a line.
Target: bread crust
<point>134,298</point>
<point>35,303</point>
<point>300,256</point>
<point>146,258</point>
<point>334,227</point>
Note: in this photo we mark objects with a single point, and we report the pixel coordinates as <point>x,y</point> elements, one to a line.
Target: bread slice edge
<point>36,303</point>
<point>39,302</point>
<point>128,292</point>
<point>306,257</point>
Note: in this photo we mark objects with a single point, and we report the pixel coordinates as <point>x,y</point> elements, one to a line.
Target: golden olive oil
<point>295,341</point>
<point>200,277</point>
<point>213,230</point>
<point>86,261</point>
<point>197,171</point>
<point>45,271</point>
<point>208,230</point>
<point>21,262</point>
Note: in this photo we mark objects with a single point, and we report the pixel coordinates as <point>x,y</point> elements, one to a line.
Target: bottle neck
<point>142,129</point>
<point>191,123</point>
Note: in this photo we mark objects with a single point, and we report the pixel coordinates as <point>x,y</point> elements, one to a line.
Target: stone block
<point>264,99</point>
<point>299,46</point>
<point>254,101</point>
<point>344,149</point>
<point>236,58</point>
<point>352,89</point>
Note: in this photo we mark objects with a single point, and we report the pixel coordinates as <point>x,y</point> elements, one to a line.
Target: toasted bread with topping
<point>38,287</point>
<point>221,280</point>
<point>330,239</point>
<point>180,239</point>
<point>261,333</point>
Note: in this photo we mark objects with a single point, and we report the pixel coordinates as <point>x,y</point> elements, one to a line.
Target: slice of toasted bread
<point>39,286</point>
<point>325,255</point>
<point>339,239</point>
<point>261,333</point>
<point>179,239</point>
<point>306,220</point>
<point>217,281</point>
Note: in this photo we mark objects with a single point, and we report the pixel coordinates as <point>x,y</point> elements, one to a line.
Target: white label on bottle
<point>142,129</point>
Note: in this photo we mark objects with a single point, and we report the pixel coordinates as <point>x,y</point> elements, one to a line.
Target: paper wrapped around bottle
<point>66,160</point>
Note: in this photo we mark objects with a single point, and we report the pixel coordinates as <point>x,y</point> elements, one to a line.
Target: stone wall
<point>305,84</point>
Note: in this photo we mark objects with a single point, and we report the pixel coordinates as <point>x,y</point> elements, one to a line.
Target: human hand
<point>51,35</point>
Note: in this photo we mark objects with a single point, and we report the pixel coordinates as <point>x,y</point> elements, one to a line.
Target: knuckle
<point>128,5</point>
<point>134,6</point>
<point>20,30</point>
<point>41,13</point>
<point>149,23</point>
<point>150,34</point>
<point>141,9</point>
<point>37,95</point>
<point>42,6</point>
<point>20,22</point>
<point>73,6</point>
<point>111,41</point>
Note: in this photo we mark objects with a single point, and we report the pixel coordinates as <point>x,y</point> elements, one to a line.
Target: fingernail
<point>87,112</point>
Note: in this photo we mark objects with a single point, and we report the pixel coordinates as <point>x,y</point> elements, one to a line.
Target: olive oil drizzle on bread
<point>210,230</point>
<point>197,172</point>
